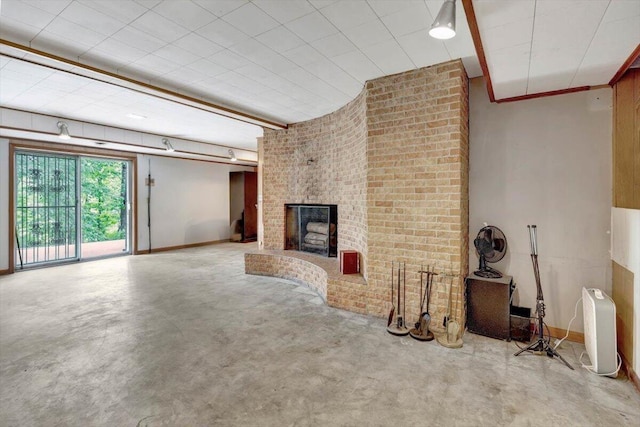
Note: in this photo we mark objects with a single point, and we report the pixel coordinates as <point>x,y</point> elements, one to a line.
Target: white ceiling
<point>539,46</point>
<point>286,60</point>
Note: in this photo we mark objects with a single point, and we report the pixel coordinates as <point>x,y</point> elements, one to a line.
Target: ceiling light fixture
<point>444,27</point>
<point>167,145</point>
<point>232,155</point>
<point>64,131</point>
<point>136,116</point>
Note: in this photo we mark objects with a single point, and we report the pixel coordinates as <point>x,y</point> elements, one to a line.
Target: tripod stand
<point>541,344</point>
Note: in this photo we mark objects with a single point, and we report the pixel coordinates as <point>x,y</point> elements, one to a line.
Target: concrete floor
<point>185,339</point>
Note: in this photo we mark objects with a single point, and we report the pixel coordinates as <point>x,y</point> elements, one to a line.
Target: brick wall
<point>337,175</point>
<point>395,161</point>
<point>417,195</point>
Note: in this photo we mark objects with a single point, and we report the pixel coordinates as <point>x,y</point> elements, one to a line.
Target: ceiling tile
<point>613,41</point>
<point>422,49</point>
<point>222,33</point>
<point>229,59</point>
<point>155,64</point>
<point>335,76</point>
<point>547,83</point>
<point>368,34</point>
<point>312,27</point>
<point>138,39</point>
<point>509,88</point>
<point>32,75</point>
<point>334,45</point>
<point>17,31</point>
<point>91,18</point>
<point>389,57</point>
<point>185,13</point>
<point>494,13</point>
<point>73,31</point>
<point>116,49</point>
<point>176,54</point>
<point>207,67</point>
<point>388,7</point>
<point>510,66</point>
<point>51,6</point>
<point>510,34</point>
<point>241,82</point>
<point>276,63</point>
<point>357,65</point>
<point>185,76</point>
<point>303,55</point>
<point>221,7</point>
<point>566,25</point>
<point>318,4</point>
<point>348,14</point>
<point>198,45</point>
<point>285,10</point>
<point>250,19</point>
<point>160,27</point>
<point>411,18</point>
<point>123,11</point>
<point>149,4</point>
<point>251,49</point>
<point>60,45</point>
<point>23,12</point>
<point>280,39</point>
<point>63,82</point>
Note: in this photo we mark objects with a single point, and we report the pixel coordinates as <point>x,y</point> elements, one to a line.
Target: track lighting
<point>64,131</point>
<point>232,155</point>
<point>167,145</point>
<point>444,26</point>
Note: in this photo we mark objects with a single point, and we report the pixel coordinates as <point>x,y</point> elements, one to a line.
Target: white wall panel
<point>547,162</point>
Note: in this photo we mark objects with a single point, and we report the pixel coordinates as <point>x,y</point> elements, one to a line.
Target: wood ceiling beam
<point>477,43</point>
<point>625,66</point>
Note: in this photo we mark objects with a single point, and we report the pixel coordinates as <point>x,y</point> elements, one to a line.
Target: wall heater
<point>600,331</point>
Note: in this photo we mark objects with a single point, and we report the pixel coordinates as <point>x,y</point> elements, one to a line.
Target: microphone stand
<point>541,344</point>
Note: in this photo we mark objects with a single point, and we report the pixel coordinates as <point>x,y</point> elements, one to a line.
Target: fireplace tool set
<point>399,328</point>
<point>421,331</point>
<point>451,337</point>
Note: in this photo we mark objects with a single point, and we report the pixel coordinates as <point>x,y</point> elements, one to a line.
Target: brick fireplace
<point>395,162</point>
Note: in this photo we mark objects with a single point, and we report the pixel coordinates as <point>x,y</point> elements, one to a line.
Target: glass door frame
<point>18,145</point>
<point>129,211</point>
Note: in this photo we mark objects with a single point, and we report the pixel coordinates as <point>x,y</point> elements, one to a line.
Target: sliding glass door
<point>46,208</point>
<point>70,207</point>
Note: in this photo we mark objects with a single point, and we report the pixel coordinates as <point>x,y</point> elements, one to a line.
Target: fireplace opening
<point>311,228</point>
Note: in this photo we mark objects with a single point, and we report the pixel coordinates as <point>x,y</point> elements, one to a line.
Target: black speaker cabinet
<point>489,306</point>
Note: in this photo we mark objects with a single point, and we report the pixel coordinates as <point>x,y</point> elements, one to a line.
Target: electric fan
<point>491,245</point>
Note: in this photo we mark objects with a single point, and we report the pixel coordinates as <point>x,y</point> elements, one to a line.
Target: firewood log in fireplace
<point>318,235</point>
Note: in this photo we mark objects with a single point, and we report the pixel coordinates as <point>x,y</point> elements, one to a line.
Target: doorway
<point>70,207</point>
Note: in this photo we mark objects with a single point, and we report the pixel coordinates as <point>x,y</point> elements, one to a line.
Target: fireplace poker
<point>399,328</point>
<point>393,307</point>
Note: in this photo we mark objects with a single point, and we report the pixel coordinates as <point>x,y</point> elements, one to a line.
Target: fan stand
<point>485,271</point>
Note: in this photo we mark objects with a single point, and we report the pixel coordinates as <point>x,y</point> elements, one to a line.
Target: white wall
<point>625,250</point>
<point>4,204</point>
<point>547,162</point>
<point>189,202</point>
